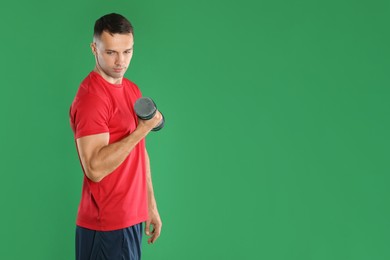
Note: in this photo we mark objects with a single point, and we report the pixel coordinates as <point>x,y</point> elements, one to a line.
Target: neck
<point>109,79</point>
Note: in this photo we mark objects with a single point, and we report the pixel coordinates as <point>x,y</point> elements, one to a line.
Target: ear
<point>93,48</point>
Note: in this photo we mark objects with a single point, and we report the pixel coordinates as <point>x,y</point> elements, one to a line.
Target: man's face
<point>113,54</point>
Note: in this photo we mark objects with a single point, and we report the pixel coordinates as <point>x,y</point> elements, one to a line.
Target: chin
<point>116,75</point>
<point>119,74</point>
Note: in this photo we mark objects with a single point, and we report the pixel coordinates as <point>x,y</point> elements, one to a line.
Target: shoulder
<point>91,87</point>
<point>91,94</point>
<point>131,87</point>
<point>128,83</point>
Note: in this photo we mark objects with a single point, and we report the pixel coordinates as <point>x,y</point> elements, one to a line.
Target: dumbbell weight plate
<point>145,108</point>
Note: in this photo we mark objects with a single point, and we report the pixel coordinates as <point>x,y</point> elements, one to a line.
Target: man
<point>117,193</point>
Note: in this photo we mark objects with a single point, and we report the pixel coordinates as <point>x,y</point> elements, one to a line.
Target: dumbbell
<point>145,109</point>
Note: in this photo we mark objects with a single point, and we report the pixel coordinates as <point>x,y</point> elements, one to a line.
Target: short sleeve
<point>89,115</point>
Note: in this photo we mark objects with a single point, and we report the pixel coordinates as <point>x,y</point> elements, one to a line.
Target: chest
<point>122,120</point>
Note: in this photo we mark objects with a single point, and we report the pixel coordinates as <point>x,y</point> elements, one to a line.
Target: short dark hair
<point>112,23</point>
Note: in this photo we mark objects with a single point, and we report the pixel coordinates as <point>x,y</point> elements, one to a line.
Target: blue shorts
<point>122,244</point>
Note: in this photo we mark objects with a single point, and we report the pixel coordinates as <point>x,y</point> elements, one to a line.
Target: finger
<point>156,233</point>
<point>147,228</point>
<point>155,236</point>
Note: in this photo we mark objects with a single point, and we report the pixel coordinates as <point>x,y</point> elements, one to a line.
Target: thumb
<point>147,228</point>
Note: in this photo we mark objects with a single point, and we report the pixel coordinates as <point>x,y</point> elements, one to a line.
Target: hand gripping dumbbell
<point>145,109</point>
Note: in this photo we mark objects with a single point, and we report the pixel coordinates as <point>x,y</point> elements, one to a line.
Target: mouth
<point>118,69</point>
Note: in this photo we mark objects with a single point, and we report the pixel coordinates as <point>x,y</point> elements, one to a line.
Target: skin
<point>113,54</point>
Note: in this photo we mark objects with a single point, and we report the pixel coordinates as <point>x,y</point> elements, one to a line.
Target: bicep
<point>89,146</point>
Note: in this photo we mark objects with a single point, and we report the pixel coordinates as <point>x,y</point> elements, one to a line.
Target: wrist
<point>141,131</point>
<point>152,205</point>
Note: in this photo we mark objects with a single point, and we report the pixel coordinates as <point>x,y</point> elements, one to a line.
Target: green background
<point>276,144</point>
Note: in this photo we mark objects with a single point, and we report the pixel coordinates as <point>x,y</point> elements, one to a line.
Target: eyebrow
<point>116,51</point>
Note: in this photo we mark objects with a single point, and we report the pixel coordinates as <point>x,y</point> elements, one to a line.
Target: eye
<point>128,51</point>
<point>109,52</point>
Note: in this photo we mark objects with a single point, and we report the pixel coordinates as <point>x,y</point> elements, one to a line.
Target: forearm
<point>154,217</point>
<point>151,199</point>
<point>109,157</point>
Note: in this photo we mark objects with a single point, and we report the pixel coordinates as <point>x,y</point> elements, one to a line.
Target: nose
<point>120,60</point>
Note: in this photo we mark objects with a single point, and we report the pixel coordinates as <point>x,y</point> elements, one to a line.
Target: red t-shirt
<point>119,200</point>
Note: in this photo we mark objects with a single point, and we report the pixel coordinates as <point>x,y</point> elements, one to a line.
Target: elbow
<point>93,174</point>
<point>93,177</point>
